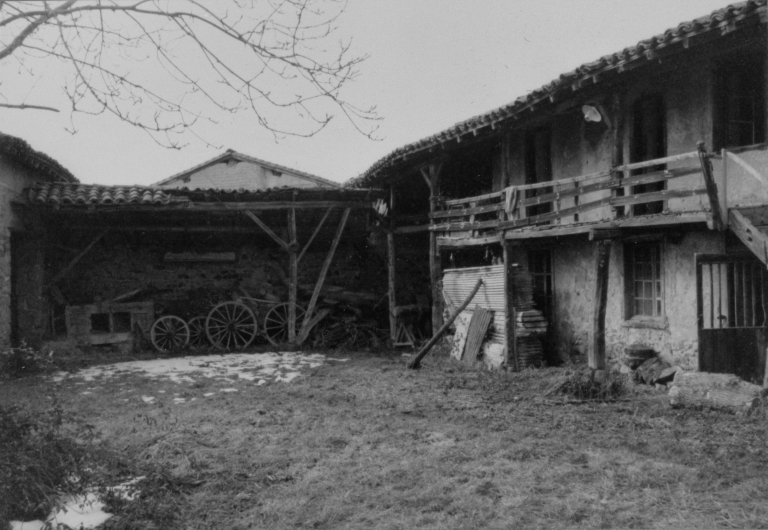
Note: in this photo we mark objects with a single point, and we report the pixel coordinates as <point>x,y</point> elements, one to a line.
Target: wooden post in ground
<point>391,264</point>
<point>511,315</point>
<point>416,362</point>
<point>293,275</point>
<point>597,347</point>
<point>435,266</point>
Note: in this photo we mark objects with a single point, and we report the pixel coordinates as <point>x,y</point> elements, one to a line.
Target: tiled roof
<point>54,194</point>
<point>723,18</point>
<point>81,194</point>
<point>22,153</point>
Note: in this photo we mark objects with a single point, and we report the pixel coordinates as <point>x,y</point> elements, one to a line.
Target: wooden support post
<point>63,272</point>
<point>416,361</point>
<point>511,313</point>
<point>293,275</point>
<point>435,267</point>
<point>597,347</point>
<point>391,269</point>
<point>305,325</point>
<point>709,182</point>
<point>722,188</point>
<point>617,149</point>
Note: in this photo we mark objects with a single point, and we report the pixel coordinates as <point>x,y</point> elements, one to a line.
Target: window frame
<point>632,249</point>
<point>723,112</point>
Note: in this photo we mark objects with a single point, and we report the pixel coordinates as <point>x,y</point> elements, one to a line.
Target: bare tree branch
<point>163,65</point>
<point>23,106</point>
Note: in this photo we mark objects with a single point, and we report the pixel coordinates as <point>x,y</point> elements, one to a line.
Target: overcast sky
<point>432,63</point>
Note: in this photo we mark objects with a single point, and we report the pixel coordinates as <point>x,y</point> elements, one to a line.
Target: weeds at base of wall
<point>582,384</point>
<point>23,360</point>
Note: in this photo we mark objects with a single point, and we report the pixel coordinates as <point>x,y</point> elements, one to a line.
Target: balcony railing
<point>600,196</point>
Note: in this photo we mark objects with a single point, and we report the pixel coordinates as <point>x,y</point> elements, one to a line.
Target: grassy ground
<point>367,444</point>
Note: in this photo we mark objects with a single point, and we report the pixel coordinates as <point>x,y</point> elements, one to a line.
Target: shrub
<point>41,456</point>
<point>23,360</point>
<point>582,385</point>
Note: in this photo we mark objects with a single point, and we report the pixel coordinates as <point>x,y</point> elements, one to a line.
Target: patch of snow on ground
<point>230,367</point>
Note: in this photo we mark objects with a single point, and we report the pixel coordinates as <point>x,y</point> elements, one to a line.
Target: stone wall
<point>676,340</point>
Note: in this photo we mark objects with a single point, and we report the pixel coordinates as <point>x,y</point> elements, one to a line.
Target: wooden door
<point>731,293</point>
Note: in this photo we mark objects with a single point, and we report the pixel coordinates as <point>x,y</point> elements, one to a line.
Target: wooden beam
<point>293,276</point>
<point>268,230</point>
<point>709,182</point>
<point>600,234</point>
<point>314,234</point>
<point>425,174</point>
<point>597,347</point>
<point>63,272</point>
<point>277,205</point>
<point>435,267</point>
<point>510,328</point>
<point>722,189</point>
<point>391,271</point>
<point>305,329</point>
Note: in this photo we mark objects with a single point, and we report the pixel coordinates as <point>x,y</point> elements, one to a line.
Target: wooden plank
<point>746,167</point>
<point>510,314</point>
<point>751,236</point>
<point>63,272</point>
<point>478,327</point>
<point>467,200</point>
<point>658,196</point>
<point>597,347</point>
<point>411,229</point>
<point>416,361</point>
<point>268,230</point>
<point>711,187</point>
<point>658,161</point>
<point>293,275</point>
<point>314,234</point>
<point>276,205</point>
<point>305,329</point>
<point>468,241</point>
<point>460,212</point>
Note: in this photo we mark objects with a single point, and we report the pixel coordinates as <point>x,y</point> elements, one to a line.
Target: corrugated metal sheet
<point>458,283</point>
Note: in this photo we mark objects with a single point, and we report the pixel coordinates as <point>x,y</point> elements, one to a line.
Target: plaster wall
<point>675,337</point>
<point>13,179</point>
<point>243,175</point>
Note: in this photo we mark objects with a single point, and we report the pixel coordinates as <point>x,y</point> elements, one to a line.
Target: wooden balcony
<point>678,194</point>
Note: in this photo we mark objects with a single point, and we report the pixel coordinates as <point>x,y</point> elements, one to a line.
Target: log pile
<point>716,391</point>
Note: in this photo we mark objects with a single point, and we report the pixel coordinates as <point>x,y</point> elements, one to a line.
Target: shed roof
<point>21,152</point>
<point>723,20</point>
<point>231,154</point>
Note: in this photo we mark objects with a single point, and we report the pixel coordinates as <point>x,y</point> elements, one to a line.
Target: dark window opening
<point>100,323</point>
<point>644,289</point>
<point>649,141</point>
<point>540,269</point>
<point>538,167</point>
<point>740,104</point>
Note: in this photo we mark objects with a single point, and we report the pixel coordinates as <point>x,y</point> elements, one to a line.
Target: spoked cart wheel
<point>169,333</point>
<point>197,336</point>
<point>231,326</point>
<point>276,323</point>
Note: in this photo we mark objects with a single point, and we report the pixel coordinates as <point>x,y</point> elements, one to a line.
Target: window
<point>644,290</point>
<point>538,167</point>
<point>740,104</point>
<point>648,143</point>
<point>540,269</point>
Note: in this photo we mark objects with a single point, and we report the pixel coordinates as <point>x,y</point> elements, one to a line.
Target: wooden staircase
<point>750,225</point>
